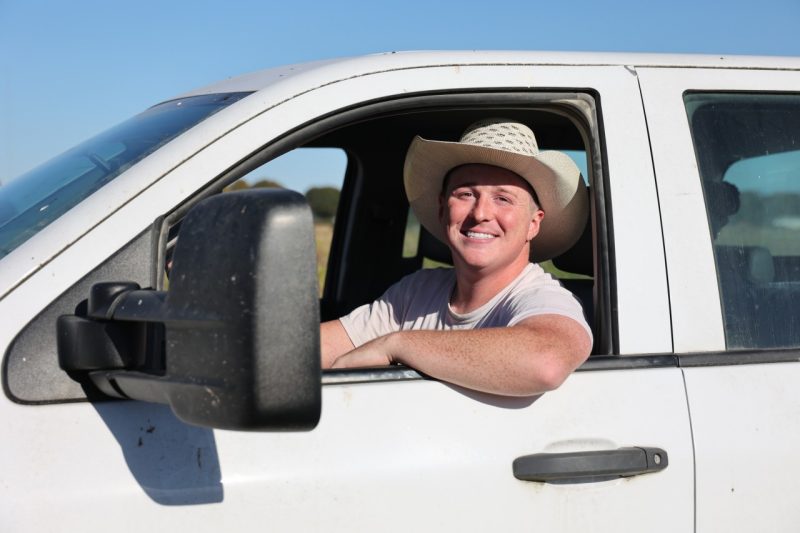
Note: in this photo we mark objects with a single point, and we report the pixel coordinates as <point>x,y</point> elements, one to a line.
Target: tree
<point>267,184</point>
<point>323,201</point>
<point>262,183</point>
<point>237,185</point>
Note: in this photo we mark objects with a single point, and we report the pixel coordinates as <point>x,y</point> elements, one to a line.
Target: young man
<point>495,322</point>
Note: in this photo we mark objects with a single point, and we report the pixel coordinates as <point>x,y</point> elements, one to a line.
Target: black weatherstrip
<point>749,357</point>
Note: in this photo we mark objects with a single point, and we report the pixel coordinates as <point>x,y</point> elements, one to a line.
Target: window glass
<point>319,174</point>
<point>33,200</point>
<point>748,152</point>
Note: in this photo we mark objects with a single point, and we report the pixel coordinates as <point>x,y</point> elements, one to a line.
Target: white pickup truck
<point>148,320</point>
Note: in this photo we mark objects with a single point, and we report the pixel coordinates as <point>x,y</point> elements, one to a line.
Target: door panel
<point>746,420</point>
<point>391,456</point>
<point>744,417</point>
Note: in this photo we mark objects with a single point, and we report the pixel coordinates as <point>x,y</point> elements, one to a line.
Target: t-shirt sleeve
<point>376,319</point>
<point>550,299</point>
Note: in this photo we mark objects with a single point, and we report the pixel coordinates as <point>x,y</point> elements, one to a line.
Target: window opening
<point>318,173</point>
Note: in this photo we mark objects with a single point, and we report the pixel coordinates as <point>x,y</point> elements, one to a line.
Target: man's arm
<point>334,342</point>
<point>532,357</point>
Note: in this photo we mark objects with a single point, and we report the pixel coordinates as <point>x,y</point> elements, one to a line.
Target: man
<point>495,322</point>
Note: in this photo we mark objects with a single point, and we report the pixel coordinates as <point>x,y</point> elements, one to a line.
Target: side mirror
<point>234,342</point>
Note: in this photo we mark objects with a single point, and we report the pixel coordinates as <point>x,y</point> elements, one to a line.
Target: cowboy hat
<point>510,145</point>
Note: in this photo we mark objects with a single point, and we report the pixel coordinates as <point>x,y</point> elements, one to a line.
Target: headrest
<point>753,263</point>
<point>580,258</point>
<point>723,202</point>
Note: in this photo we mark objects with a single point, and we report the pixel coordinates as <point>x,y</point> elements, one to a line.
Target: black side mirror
<point>234,342</point>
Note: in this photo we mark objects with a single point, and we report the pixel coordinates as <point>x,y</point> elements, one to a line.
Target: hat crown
<point>501,134</point>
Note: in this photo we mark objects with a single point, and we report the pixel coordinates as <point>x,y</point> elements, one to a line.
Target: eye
<point>463,194</point>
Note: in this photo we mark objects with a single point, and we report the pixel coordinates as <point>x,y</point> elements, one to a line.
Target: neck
<point>475,288</point>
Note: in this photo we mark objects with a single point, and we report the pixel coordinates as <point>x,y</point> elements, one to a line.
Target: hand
<point>374,353</point>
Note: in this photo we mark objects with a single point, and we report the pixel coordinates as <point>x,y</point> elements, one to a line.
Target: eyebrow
<point>501,188</point>
<point>446,185</point>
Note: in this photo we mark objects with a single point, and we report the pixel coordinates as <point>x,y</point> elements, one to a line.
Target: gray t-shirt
<point>422,301</point>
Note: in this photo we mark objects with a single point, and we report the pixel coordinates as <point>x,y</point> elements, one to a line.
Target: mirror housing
<point>234,342</point>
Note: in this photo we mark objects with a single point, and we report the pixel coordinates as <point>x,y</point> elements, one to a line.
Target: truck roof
<point>331,70</point>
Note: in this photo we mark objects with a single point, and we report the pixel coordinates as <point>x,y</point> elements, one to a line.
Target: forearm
<point>523,360</point>
<point>490,360</point>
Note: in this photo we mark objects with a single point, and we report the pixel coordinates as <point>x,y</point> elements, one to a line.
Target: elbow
<point>537,379</point>
<point>556,351</point>
<point>549,372</point>
<point>562,361</point>
<point>551,376</point>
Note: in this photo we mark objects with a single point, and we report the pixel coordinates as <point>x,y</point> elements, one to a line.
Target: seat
<point>580,260</point>
<point>759,311</point>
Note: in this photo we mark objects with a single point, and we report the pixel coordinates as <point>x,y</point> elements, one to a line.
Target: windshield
<point>33,200</point>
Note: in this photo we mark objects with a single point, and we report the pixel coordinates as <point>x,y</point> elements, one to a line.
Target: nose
<point>481,209</point>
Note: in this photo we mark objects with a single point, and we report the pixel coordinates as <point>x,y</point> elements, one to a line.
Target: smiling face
<point>489,218</point>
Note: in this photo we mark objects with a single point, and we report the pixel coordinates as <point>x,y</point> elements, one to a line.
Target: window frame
<point>580,108</point>
<point>695,307</point>
<point>582,113</point>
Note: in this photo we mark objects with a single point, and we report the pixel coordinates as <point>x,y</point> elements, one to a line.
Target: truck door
<point>726,159</point>
<point>393,451</point>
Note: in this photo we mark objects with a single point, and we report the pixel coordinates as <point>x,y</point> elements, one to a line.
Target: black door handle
<point>621,462</point>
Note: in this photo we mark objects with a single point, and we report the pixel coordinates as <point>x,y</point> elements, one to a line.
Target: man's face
<point>489,217</point>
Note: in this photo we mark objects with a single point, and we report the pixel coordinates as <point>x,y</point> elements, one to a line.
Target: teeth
<point>476,235</point>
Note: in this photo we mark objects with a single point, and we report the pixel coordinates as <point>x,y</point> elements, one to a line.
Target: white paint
<point>746,420</point>
<point>390,457</point>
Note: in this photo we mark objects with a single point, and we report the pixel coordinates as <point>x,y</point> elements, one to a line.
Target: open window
<point>376,241</point>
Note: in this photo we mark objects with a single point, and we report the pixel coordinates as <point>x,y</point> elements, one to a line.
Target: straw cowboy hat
<point>511,145</point>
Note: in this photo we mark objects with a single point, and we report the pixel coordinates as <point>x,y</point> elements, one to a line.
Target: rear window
<point>748,153</point>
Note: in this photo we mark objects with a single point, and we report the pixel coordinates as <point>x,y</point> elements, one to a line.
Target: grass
<point>323,234</point>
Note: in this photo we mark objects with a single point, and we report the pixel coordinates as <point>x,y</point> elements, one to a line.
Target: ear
<point>535,224</point>
<point>442,203</point>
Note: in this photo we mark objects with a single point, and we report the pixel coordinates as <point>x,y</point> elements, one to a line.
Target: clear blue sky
<point>71,69</point>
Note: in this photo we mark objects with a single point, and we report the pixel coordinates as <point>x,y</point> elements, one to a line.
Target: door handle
<point>621,462</point>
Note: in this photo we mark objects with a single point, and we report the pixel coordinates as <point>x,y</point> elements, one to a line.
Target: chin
<point>475,261</point>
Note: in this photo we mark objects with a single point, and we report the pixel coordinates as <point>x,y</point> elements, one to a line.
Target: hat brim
<point>553,175</point>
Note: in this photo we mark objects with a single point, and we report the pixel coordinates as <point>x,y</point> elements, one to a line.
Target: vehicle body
<point>695,320</point>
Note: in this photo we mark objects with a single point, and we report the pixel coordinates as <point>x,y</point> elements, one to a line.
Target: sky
<point>69,70</point>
